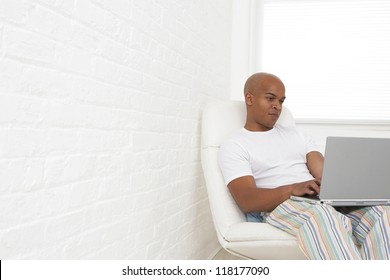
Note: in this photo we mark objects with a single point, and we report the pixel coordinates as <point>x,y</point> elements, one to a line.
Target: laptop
<point>356,172</point>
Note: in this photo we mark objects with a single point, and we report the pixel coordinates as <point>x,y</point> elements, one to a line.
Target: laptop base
<point>341,202</point>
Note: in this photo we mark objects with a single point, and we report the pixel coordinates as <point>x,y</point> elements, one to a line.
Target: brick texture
<point>100,105</point>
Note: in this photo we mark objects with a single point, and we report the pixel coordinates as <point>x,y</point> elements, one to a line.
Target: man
<point>266,163</point>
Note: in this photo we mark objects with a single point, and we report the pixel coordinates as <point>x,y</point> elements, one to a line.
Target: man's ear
<point>248,98</point>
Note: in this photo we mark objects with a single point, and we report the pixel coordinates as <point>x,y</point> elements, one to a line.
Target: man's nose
<point>277,106</point>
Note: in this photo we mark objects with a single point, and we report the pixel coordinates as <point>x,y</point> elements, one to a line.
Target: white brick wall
<point>100,104</point>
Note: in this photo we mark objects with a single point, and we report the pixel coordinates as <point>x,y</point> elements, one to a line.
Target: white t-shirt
<point>274,158</point>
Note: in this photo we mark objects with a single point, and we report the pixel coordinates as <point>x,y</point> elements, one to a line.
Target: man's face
<point>265,105</point>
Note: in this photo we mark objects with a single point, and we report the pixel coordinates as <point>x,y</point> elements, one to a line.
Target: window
<point>334,56</point>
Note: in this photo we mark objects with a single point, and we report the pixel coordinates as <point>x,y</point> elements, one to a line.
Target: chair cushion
<point>221,120</point>
<point>255,232</point>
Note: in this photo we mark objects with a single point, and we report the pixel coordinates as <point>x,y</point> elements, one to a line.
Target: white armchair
<point>239,237</point>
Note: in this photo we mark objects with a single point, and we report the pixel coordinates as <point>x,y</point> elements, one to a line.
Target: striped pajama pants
<point>343,234</point>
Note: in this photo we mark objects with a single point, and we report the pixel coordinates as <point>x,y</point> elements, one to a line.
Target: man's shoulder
<point>235,138</point>
<point>285,127</point>
<point>288,130</point>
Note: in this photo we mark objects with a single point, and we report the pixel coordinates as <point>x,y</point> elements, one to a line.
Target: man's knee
<point>327,215</point>
<point>380,212</point>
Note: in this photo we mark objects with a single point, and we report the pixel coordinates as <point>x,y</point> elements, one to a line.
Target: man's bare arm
<point>315,164</point>
<point>251,198</point>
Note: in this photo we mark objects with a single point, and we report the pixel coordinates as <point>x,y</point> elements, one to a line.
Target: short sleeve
<point>234,161</point>
<point>310,144</point>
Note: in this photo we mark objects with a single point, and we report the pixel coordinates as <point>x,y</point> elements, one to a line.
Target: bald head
<point>264,96</point>
<point>258,80</point>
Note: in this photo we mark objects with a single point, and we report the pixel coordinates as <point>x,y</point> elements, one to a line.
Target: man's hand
<point>311,187</point>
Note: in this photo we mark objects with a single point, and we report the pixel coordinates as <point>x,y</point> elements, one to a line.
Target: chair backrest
<point>220,121</point>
